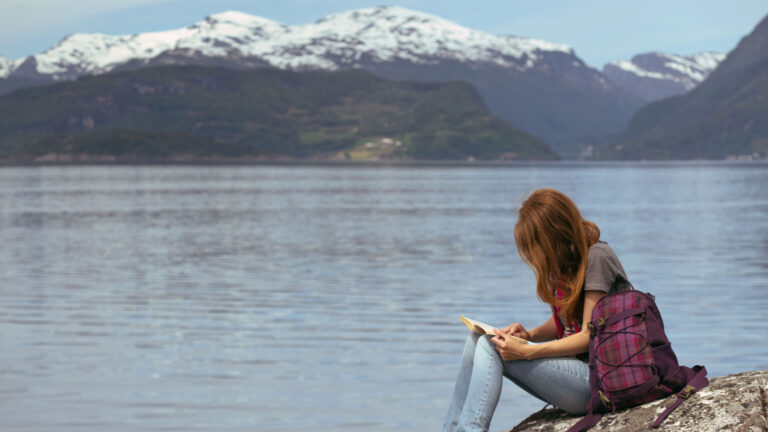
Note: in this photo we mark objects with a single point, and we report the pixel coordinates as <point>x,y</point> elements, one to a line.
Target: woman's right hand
<point>516,330</point>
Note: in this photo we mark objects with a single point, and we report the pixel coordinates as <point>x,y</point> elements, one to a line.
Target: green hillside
<point>204,112</point>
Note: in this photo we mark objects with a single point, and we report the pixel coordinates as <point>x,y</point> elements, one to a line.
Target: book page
<point>483,328</point>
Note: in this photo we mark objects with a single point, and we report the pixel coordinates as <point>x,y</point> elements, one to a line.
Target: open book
<point>482,328</point>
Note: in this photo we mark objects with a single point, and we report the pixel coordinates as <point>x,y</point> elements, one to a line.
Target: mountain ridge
<point>382,31</point>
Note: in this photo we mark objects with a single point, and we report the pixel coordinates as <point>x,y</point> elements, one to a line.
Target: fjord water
<point>288,298</point>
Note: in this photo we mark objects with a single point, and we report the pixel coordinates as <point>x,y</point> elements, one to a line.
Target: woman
<point>574,269</point>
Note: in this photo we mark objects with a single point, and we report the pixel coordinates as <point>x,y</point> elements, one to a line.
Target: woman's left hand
<point>509,348</point>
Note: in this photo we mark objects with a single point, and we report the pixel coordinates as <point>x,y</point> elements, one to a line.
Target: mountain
<point>653,76</point>
<point>229,37</point>
<point>345,39</point>
<point>193,112</point>
<point>539,86</point>
<point>726,116</point>
<point>750,50</point>
<point>8,83</point>
<point>5,67</point>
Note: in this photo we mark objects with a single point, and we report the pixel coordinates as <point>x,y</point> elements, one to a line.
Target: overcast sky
<point>599,30</point>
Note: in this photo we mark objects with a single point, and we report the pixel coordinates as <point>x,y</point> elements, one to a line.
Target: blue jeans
<point>561,381</point>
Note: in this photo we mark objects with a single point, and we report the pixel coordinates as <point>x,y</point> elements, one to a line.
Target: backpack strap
<point>586,423</point>
<point>696,383</point>
<point>624,315</point>
<point>558,324</point>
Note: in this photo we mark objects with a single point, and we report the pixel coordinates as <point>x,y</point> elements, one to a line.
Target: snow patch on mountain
<point>395,33</point>
<point>381,34</point>
<point>708,59</point>
<point>697,66</point>
<point>5,67</point>
<point>94,53</point>
<point>686,70</point>
<point>631,67</point>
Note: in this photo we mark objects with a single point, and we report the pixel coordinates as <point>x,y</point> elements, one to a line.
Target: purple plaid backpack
<point>631,361</point>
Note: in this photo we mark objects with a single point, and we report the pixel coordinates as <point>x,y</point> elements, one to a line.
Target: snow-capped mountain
<point>395,33</point>
<point>541,87</point>
<point>224,34</point>
<point>5,67</point>
<point>338,40</point>
<point>657,75</point>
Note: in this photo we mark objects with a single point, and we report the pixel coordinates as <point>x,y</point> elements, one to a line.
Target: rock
<point>730,403</point>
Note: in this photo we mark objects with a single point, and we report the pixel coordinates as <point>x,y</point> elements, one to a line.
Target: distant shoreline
<point>384,163</point>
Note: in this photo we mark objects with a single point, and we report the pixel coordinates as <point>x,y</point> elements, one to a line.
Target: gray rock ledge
<point>730,403</point>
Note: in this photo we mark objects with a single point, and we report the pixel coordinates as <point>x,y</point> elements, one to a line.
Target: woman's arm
<point>575,344</point>
<point>545,332</point>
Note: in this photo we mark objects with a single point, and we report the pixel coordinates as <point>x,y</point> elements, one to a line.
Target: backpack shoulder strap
<point>586,423</point>
<point>696,383</point>
<point>558,324</point>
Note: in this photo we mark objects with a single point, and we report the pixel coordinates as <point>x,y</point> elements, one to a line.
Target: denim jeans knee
<point>484,343</point>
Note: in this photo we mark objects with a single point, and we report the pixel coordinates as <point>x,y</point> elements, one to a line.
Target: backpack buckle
<point>687,391</point>
<point>604,399</point>
<point>593,328</point>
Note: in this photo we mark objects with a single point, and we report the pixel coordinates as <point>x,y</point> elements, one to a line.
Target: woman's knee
<point>470,344</point>
<point>472,337</point>
<point>471,341</point>
<point>484,343</point>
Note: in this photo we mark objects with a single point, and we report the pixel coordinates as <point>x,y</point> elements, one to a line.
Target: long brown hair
<point>553,239</point>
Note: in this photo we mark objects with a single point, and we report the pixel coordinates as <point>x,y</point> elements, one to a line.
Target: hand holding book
<point>517,330</point>
<point>482,328</point>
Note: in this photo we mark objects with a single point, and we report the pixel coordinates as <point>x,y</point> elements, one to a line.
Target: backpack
<point>631,361</point>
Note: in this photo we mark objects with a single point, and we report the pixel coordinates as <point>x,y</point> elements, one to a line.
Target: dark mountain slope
<point>558,102</point>
<point>725,116</point>
<point>194,111</point>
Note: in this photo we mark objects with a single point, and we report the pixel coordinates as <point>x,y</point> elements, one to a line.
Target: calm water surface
<point>263,298</point>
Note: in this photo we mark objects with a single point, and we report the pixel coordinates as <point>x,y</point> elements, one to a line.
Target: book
<point>482,328</point>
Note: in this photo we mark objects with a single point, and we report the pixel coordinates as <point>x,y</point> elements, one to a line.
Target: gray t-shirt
<point>604,273</point>
<point>604,270</point>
